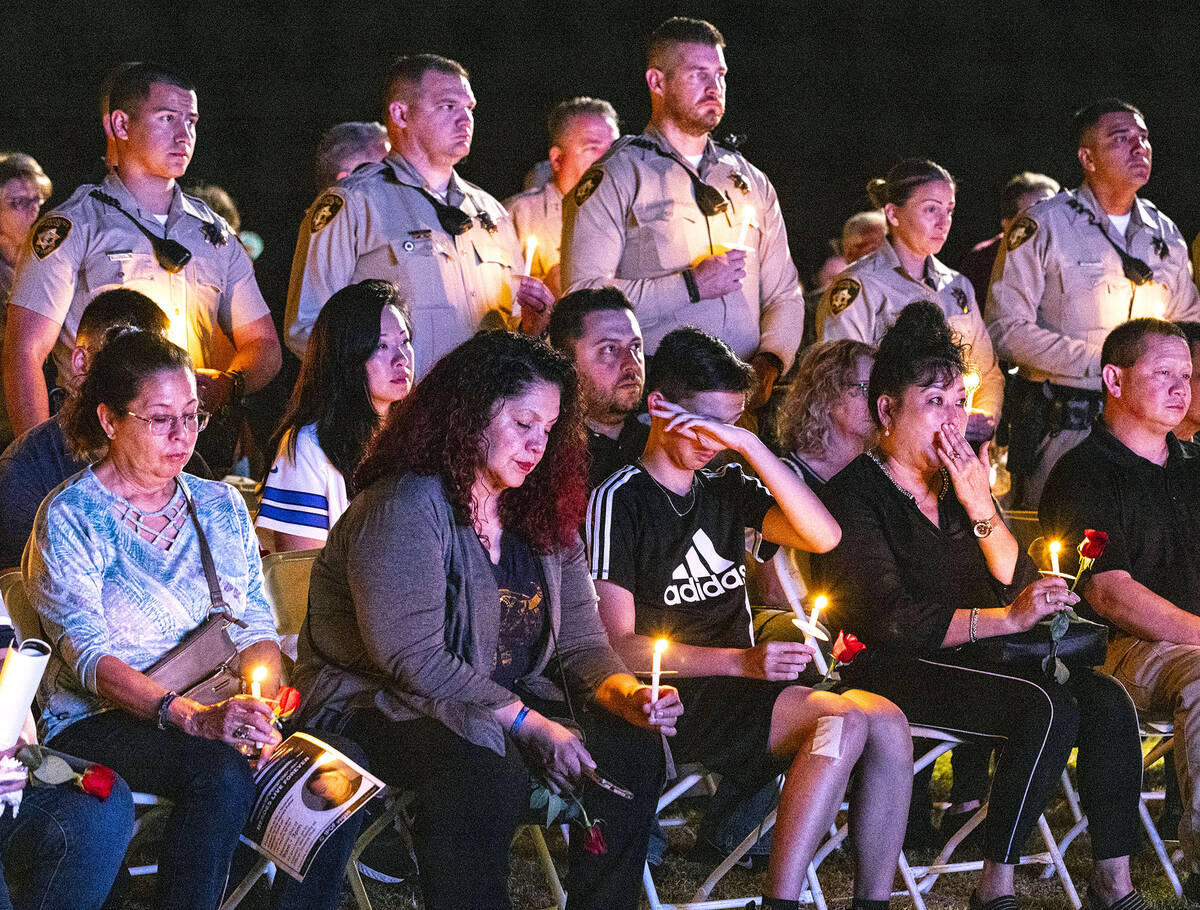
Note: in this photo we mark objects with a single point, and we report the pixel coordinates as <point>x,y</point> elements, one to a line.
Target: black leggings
<point>1037,722</point>
<point>471,800</point>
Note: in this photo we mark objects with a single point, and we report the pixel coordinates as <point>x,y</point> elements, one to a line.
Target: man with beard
<point>686,227</point>
<point>596,329</point>
<point>1070,270</point>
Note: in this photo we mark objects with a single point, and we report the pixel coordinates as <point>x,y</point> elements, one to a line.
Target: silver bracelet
<point>973,629</point>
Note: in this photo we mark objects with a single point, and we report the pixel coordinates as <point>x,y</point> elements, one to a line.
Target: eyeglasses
<point>858,388</point>
<point>164,425</point>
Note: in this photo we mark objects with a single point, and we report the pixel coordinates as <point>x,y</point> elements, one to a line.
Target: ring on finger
<point>241,731</point>
<point>1048,600</point>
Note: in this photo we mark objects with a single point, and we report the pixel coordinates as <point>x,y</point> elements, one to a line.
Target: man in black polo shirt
<point>1134,480</point>
<point>596,329</point>
<point>666,541</point>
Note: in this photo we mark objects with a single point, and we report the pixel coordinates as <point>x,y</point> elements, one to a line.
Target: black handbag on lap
<point>1084,645</point>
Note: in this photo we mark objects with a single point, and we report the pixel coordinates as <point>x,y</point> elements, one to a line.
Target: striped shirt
<point>304,495</point>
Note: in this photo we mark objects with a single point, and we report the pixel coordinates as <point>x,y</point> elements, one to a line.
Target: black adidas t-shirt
<point>686,572</point>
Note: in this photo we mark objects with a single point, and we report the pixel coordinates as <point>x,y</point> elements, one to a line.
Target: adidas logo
<point>703,574</point>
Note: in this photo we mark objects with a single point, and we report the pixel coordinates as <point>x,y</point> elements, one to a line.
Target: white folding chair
<point>919,879</point>
<point>1161,733</point>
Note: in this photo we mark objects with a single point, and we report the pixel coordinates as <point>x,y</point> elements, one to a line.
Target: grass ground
<point>679,877</point>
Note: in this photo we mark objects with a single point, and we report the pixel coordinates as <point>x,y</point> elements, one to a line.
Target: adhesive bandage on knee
<point>827,738</point>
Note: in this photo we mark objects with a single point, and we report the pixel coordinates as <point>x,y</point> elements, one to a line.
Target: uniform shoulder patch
<point>587,185</point>
<point>326,210</point>
<point>843,292</point>
<point>1020,231</point>
<point>49,235</point>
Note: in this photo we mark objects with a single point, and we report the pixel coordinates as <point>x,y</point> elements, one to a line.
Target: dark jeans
<point>471,800</point>
<point>1036,722</point>
<point>210,783</point>
<point>64,848</point>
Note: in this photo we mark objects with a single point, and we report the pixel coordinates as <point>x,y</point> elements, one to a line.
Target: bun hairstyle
<point>903,179</point>
<point>920,349</point>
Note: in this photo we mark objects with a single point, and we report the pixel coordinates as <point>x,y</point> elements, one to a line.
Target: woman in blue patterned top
<point>114,569</point>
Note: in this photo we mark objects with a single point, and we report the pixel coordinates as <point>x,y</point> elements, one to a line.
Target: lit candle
<point>818,605</point>
<point>971,381</point>
<point>530,249</point>
<point>1055,548</point>
<point>746,219</point>
<point>656,668</point>
<point>256,678</point>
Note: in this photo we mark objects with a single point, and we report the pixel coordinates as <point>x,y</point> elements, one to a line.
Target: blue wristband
<point>518,720</point>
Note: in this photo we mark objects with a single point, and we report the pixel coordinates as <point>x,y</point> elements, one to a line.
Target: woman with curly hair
<point>824,423</point>
<point>358,362</point>
<point>452,617</point>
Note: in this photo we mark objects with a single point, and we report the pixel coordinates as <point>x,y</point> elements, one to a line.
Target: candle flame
<point>971,381</point>
<point>820,603</point>
<point>259,674</point>
<point>1055,547</point>
<point>660,646</point>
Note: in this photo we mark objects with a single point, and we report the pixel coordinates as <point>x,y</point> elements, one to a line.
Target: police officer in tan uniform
<point>688,229</point>
<point>917,199</point>
<point>1071,269</point>
<point>448,246</point>
<point>137,229</point>
<point>581,130</point>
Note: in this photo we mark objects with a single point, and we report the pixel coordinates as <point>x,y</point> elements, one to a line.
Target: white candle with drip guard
<point>656,668</point>
<point>1055,547</point>
<point>530,249</point>
<point>260,673</point>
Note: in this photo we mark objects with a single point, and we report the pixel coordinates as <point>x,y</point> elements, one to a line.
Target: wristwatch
<point>983,527</point>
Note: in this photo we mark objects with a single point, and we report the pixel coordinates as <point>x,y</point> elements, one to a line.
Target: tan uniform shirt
<point>863,301</point>
<point>633,222</point>
<point>84,247</point>
<point>538,213</point>
<point>1058,287</point>
<point>375,223</point>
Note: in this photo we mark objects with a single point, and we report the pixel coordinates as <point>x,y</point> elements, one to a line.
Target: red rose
<point>288,701</point>
<point>593,840</point>
<point>847,647</point>
<point>1093,544</point>
<point>98,781</point>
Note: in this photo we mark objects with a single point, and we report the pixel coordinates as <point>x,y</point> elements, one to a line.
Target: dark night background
<point>828,94</point>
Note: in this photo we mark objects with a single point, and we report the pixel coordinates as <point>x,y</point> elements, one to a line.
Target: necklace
<point>671,496</point>
<point>942,471</point>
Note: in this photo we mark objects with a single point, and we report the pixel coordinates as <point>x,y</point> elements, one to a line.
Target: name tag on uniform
<point>1089,262</point>
<point>120,255</point>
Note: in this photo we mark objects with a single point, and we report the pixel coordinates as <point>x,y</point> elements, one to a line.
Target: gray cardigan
<point>404,614</point>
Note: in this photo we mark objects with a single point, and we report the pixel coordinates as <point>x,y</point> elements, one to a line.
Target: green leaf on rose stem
<point>554,807</point>
<point>825,685</point>
<point>53,770</point>
<point>538,797</point>
<point>1058,625</point>
<point>1061,673</point>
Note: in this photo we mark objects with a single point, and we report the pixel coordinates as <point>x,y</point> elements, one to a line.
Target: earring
<point>887,431</point>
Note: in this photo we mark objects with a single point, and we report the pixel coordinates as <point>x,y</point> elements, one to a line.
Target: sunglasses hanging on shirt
<point>1136,270</point>
<point>171,254</point>
<point>710,199</point>
<point>454,221</point>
